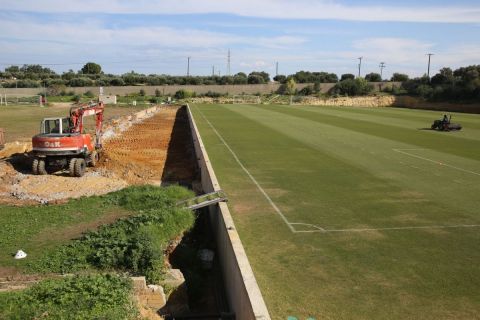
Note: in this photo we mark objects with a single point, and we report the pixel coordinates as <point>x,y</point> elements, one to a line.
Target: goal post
<point>20,99</point>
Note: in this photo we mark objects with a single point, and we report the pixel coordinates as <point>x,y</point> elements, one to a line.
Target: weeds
<point>78,297</point>
<point>135,244</point>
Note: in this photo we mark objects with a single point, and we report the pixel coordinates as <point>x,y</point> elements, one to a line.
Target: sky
<point>158,36</point>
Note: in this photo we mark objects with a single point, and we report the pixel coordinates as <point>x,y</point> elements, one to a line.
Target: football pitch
<point>352,213</point>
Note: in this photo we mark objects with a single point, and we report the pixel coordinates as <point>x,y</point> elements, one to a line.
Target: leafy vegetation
<point>352,87</point>
<point>134,244</point>
<point>461,84</point>
<point>78,297</point>
<point>373,77</point>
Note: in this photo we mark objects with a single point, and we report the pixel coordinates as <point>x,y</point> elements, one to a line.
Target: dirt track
<point>154,151</point>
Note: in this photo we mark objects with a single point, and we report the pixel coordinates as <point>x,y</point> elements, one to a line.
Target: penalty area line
<point>434,161</point>
<point>390,228</point>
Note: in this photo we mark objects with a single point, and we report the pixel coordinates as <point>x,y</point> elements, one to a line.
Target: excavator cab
<point>55,126</point>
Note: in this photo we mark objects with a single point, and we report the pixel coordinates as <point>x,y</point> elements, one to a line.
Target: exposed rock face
<point>375,101</point>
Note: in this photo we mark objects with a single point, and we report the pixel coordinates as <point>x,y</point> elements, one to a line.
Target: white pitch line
<point>310,225</point>
<point>398,228</point>
<point>274,206</point>
<point>434,161</point>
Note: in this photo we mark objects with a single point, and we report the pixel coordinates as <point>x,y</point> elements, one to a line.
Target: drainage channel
<point>205,296</point>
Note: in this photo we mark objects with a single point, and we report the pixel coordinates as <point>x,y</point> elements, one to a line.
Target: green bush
<point>135,244</point>
<point>308,90</point>
<point>79,297</point>
<point>184,94</point>
<point>89,94</point>
<point>349,87</point>
<point>76,98</point>
<point>373,77</point>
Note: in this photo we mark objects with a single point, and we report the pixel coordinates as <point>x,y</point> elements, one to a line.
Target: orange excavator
<point>63,143</point>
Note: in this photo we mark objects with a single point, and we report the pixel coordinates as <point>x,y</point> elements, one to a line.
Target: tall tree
<point>91,68</point>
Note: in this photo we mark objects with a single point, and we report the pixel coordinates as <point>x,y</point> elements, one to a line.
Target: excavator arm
<point>92,109</point>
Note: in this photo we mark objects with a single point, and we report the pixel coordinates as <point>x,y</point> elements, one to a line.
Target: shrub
<point>347,76</point>
<point>373,77</point>
<point>306,91</point>
<point>76,98</point>
<point>255,79</point>
<point>117,82</point>
<point>349,87</point>
<point>89,94</point>
<point>212,94</point>
<point>280,78</point>
<point>184,94</point>
<point>399,77</point>
<point>80,82</point>
<point>56,89</point>
<point>78,297</point>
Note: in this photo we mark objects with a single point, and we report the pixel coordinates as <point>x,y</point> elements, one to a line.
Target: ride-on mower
<point>445,124</point>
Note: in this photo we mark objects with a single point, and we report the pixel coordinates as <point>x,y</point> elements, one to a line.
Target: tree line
<point>462,83</point>
<point>91,74</point>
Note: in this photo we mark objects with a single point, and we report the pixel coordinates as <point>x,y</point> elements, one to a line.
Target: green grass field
<point>377,217</point>
<point>22,122</point>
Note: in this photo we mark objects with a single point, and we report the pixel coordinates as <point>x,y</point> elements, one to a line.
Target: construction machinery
<point>2,138</point>
<point>445,124</point>
<point>63,143</point>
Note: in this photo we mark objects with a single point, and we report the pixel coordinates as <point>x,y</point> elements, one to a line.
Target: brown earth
<point>156,151</point>
<point>152,146</point>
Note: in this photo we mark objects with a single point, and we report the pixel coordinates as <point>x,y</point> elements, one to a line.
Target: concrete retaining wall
<point>243,293</point>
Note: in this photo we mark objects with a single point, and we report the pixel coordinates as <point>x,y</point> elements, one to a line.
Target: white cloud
<point>282,9</point>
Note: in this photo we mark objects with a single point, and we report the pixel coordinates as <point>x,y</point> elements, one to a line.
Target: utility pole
<point>228,63</point>
<point>382,66</point>
<point>213,71</point>
<point>276,68</point>
<point>428,70</point>
<point>360,66</point>
<point>188,67</point>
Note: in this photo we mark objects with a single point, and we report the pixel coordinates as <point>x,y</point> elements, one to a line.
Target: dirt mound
<point>12,148</point>
<point>44,189</point>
